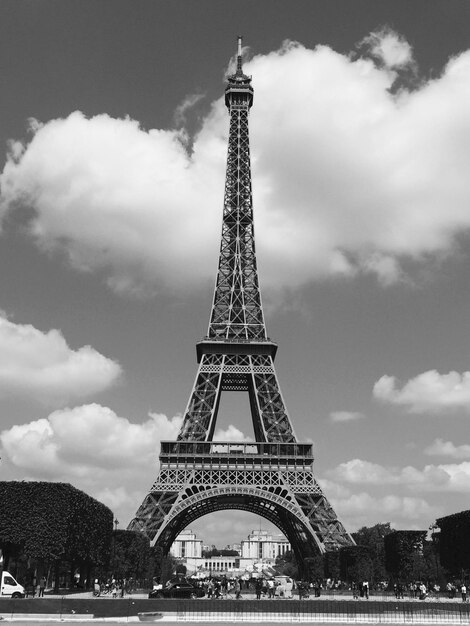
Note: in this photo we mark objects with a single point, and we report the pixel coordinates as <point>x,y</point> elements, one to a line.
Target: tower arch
<point>273,508</point>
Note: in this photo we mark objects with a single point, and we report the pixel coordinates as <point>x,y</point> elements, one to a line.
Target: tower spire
<point>238,90</point>
<point>239,55</point>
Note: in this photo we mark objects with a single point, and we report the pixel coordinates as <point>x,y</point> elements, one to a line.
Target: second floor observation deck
<point>230,454</point>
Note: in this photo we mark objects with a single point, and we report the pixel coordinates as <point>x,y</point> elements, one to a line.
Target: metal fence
<point>244,610</point>
<point>399,612</point>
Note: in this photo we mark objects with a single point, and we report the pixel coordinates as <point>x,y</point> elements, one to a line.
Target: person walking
<point>271,588</point>
<point>96,588</point>
<point>210,588</point>
<point>42,587</point>
<point>463,591</point>
<point>259,588</point>
<point>355,590</point>
<point>423,592</point>
<point>365,589</point>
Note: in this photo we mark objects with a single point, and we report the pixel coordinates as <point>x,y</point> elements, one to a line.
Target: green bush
<point>53,521</point>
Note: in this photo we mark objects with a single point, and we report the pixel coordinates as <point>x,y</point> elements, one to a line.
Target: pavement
<point>250,595</point>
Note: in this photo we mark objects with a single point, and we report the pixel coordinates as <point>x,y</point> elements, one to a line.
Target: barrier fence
<point>244,610</point>
<point>347,611</point>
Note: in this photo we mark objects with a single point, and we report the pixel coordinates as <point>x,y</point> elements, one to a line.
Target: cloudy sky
<point>114,134</point>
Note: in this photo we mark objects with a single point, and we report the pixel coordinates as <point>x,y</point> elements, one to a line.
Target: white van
<point>10,587</point>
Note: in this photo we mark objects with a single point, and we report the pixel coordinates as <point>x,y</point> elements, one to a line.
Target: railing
<point>223,448</point>
<point>246,609</point>
<point>220,339</point>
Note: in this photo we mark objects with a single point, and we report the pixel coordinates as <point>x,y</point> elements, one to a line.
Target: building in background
<point>262,545</point>
<point>256,555</point>
<point>186,545</point>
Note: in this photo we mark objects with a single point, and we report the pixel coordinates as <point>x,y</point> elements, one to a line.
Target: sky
<point>113,137</point>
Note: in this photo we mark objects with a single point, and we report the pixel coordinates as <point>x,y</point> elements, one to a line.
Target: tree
<point>131,554</point>
<point>356,563</point>
<point>286,565</point>
<point>404,550</point>
<point>162,566</point>
<point>51,523</point>
<point>372,538</point>
<point>316,567</point>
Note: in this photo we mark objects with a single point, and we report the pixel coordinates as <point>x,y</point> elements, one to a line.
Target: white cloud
<point>390,48</point>
<point>90,446</point>
<point>113,196</point>
<point>231,433</point>
<point>42,366</point>
<point>334,490</point>
<point>85,438</point>
<point>188,103</point>
<point>429,392</point>
<point>439,447</point>
<point>362,472</point>
<point>354,178</point>
<point>346,416</point>
<point>410,508</point>
<point>363,509</point>
<point>386,269</point>
<point>434,478</point>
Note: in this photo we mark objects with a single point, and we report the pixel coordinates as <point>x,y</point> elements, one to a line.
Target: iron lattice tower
<point>273,476</point>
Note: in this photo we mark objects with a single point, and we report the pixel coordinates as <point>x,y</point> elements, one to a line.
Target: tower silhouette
<point>273,476</point>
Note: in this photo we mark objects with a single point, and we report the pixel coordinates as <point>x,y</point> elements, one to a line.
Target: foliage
<point>372,538</point>
<point>356,563</point>
<point>316,567</point>
<point>404,554</point>
<point>454,542</point>
<point>130,554</point>
<point>53,521</point>
<point>332,564</point>
<point>161,566</point>
<point>286,565</point>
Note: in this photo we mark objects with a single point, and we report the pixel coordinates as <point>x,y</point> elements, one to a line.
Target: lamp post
<point>116,524</point>
<point>434,528</point>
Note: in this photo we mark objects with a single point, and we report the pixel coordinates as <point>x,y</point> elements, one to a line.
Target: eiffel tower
<point>273,476</point>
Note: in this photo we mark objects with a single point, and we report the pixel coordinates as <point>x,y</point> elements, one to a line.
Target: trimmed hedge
<point>454,542</point>
<point>401,549</point>
<point>54,521</point>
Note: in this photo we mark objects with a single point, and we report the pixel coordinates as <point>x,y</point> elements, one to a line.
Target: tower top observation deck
<point>239,91</point>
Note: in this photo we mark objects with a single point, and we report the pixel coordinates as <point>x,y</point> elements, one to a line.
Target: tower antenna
<point>239,55</point>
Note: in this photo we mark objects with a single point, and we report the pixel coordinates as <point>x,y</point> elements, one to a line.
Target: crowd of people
<point>114,587</point>
<point>235,587</point>
<point>419,589</point>
<point>276,587</point>
<point>272,587</point>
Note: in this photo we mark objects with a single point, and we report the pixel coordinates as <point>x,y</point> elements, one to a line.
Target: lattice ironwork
<point>273,476</point>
